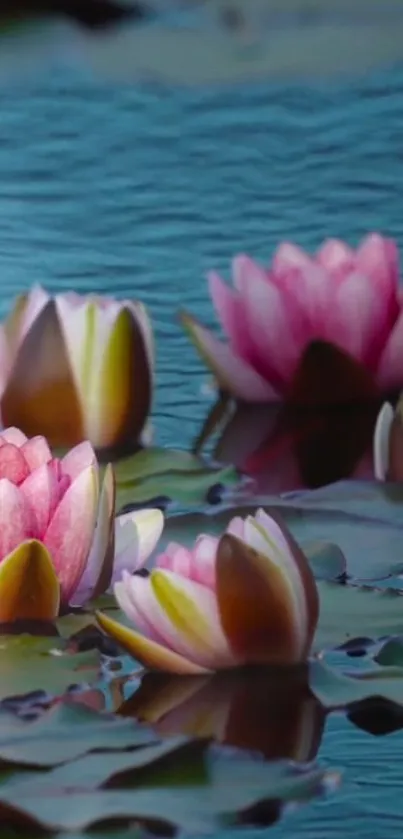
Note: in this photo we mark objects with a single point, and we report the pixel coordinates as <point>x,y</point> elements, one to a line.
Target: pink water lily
<point>76,367</point>
<point>246,598</point>
<point>347,298</point>
<point>59,544</point>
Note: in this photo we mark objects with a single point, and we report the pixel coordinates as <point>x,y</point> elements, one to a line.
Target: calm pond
<point>140,193</point>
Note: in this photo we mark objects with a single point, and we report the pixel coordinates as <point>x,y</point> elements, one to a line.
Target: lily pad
<point>173,474</point>
<point>64,732</point>
<point>338,690</point>
<point>349,611</point>
<point>232,786</point>
<point>29,664</point>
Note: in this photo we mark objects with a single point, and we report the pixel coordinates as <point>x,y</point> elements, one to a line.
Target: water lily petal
<point>382,441</point>
<point>389,373</point>
<point>233,374</point>
<point>36,451</point>
<point>78,459</point>
<point>40,491</point>
<point>29,588</point>
<point>191,609</point>
<point>71,531</point>
<point>13,435</point>
<point>257,612</point>
<point>108,355</point>
<point>146,652</point>
<point>40,395</point>
<point>15,518</point>
<point>13,465</point>
<point>229,308</point>
<point>140,528</point>
<point>265,537</point>
<point>100,564</point>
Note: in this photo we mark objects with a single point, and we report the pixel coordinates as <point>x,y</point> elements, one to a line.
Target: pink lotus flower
<point>247,598</point>
<point>76,367</point>
<point>59,544</point>
<point>344,297</point>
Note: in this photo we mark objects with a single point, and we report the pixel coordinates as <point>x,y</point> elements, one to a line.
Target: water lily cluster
<point>77,377</point>
<point>247,598</point>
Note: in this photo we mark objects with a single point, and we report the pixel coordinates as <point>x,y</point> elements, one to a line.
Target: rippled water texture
<point>140,193</point>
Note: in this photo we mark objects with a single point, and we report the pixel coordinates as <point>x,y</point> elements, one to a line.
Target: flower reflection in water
<point>268,710</point>
<point>302,442</point>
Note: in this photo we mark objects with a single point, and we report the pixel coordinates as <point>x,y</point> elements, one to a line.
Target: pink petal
<point>15,518</point>
<point>390,367</point>
<point>230,312</point>
<point>336,257</point>
<point>13,465</point>
<point>356,320</point>
<point>78,459</point>
<point>289,257</point>
<point>378,258</point>
<point>41,493</point>
<point>203,561</point>
<point>232,373</point>
<point>14,436</point>
<point>71,531</point>
<point>36,452</point>
<point>175,558</point>
<point>274,327</point>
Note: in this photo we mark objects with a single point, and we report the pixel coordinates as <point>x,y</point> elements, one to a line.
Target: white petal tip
<point>381,441</point>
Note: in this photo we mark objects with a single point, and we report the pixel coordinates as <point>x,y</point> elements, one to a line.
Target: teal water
<point>140,193</point>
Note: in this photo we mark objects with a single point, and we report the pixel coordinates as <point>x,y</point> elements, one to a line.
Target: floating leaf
<point>348,612</point>
<point>169,473</point>
<point>233,786</point>
<point>326,560</point>
<point>28,664</point>
<point>391,653</point>
<point>337,690</point>
<point>64,732</point>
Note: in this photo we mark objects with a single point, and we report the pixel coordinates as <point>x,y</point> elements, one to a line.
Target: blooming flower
<point>344,297</point>
<point>76,368</point>
<point>247,598</point>
<point>388,443</point>
<point>59,544</point>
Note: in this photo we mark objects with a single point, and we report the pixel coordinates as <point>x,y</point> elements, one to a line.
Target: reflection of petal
<point>267,710</point>
<point>288,447</point>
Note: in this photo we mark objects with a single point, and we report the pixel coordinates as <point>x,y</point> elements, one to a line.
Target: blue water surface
<point>140,192</point>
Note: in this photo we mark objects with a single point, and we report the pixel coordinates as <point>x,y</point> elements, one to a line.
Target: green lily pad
<point>391,653</point>
<point>64,732</point>
<point>29,664</point>
<point>337,690</point>
<point>174,474</point>
<point>231,786</point>
<point>326,560</point>
<point>348,612</point>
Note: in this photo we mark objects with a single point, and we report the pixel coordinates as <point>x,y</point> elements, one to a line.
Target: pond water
<point>141,192</point>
